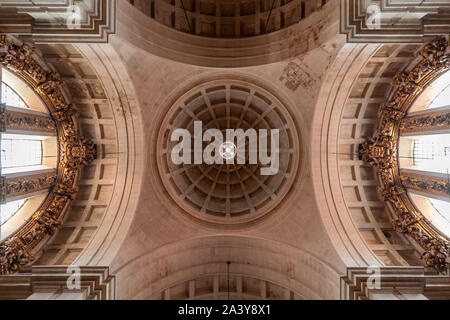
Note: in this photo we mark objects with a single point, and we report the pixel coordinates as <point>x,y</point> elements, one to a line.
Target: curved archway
<point>119,214</point>
<point>176,263</point>
<point>149,35</point>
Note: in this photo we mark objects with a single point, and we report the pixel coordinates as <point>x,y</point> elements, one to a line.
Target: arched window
<point>431,152</point>
<point>442,98</point>
<point>28,153</point>
<point>11,98</point>
<point>424,154</point>
<point>10,208</point>
<point>20,153</point>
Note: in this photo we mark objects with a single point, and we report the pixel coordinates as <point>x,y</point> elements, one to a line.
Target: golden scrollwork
<point>437,186</point>
<point>426,122</point>
<point>14,187</point>
<point>380,151</point>
<point>27,122</point>
<point>75,152</point>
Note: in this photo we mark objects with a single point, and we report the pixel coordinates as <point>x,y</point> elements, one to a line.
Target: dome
<point>236,184</point>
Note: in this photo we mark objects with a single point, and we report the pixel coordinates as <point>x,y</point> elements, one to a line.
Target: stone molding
<point>40,23</point>
<point>51,282</point>
<point>400,21</point>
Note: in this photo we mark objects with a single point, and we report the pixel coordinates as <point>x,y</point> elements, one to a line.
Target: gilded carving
<point>428,122</point>
<point>406,82</point>
<point>2,117</point>
<point>75,152</point>
<point>27,122</point>
<point>12,255</point>
<point>2,190</point>
<point>65,114</point>
<point>380,151</point>
<point>19,186</point>
<point>436,186</point>
<point>49,223</point>
<point>57,204</point>
<point>437,52</point>
<point>405,222</point>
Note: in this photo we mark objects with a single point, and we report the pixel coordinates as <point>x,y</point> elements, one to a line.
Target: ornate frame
<point>381,152</point>
<point>75,151</point>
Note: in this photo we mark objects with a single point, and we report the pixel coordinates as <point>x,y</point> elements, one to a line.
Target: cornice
<point>20,19</point>
<point>400,21</point>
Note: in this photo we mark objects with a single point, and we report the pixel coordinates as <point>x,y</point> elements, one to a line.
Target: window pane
<point>435,211</point>
<point>17,153</point>
<point>9,209</point>
<point>11,98</point>
<point>442,99</point>
<point>442,207</point>
<point>432,153</point>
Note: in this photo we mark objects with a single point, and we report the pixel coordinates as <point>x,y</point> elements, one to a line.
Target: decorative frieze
<point>20,186</point>
<point>426,183</point>
<point>426,123</point>
<point>29,123</point>
<point>379,151</point>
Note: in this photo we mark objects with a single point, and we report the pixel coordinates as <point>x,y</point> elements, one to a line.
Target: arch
<point>354,215</point>
<point>172,264</point>
<point>156,38</point>
<point>333,95</point>
<point>130,160</point>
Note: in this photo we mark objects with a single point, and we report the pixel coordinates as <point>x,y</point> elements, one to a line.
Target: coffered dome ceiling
<point>228,18</point>
<point>229,190</point>
<point>227,33</point>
